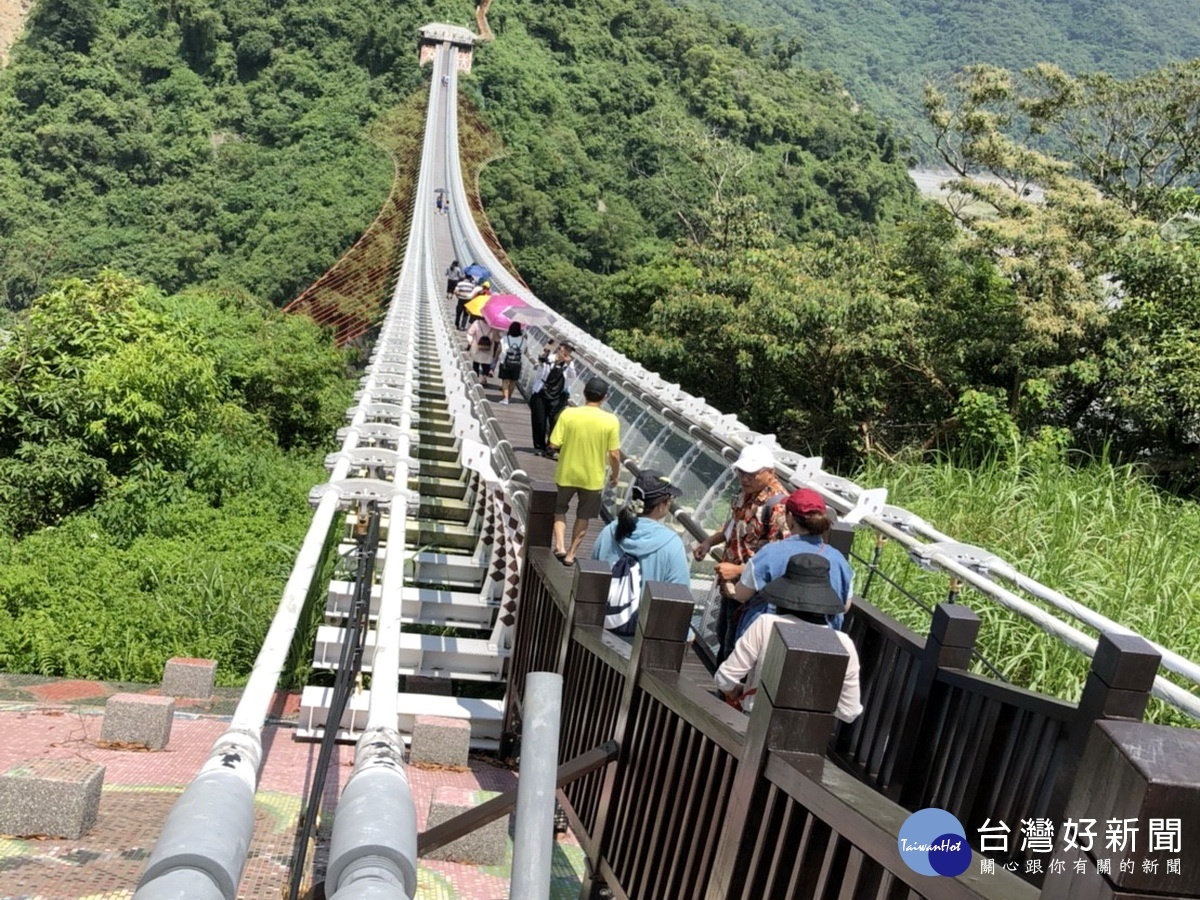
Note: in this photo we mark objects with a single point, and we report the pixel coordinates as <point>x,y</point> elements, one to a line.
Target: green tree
<point>73,24</point>
<point>1048,247</point>
<point>803,342</point>
<point>1137,140</point>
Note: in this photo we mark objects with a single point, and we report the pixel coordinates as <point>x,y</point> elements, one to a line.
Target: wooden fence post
<point>1117,687</point>
<point>951,641</point>
<point>1144,777</point>
<point>798,691</point>
<point>664,615</point>
<point>538,535</point>
<point>539,529</point>
<point>589,593</point>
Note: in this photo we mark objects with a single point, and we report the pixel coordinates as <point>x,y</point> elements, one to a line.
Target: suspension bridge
<point>428,554</point>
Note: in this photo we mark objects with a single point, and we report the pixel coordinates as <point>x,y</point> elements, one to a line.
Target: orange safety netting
<point>351,296</point>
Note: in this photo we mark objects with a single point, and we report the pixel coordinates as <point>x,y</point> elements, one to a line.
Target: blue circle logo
<point>933,842</point>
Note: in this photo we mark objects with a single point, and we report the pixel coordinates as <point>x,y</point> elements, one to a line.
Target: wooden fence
<point>705,802</point>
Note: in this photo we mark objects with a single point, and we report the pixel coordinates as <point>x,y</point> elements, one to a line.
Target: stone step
<point>439,536</point>
<point>445,509</point>
<point>430,655</point>
<point>451,488</point>
<point>457,571</point>
<point>438,439</point>
<point>486,716</point>
<point>419,605</point>
<point>446,471</point>
<point>434,452</point>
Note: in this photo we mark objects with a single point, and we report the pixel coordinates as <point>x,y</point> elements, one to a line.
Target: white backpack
<point>624,593</point>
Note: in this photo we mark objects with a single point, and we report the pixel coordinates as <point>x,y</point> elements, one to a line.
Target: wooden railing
<point>705,802</point>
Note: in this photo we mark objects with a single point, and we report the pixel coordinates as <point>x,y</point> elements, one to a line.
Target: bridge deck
<point>514,421</point>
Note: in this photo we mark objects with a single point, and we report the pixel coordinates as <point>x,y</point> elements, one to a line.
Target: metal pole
<point>533,844</point>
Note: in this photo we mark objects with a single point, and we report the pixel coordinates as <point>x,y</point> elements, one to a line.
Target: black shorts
<point>589,502</point>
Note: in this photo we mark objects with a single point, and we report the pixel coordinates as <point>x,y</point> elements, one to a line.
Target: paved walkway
<point>43,718</point>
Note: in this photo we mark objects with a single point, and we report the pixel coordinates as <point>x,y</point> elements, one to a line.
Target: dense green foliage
<point>155,454</point>
<point>212,141</point>
<point>1097,531</point>
<point>1058,317</point>
<point>886,50</point>
<point>626,126</point>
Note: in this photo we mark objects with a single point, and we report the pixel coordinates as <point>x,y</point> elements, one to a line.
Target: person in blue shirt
<point>808,522</point>
<point>638,531</point>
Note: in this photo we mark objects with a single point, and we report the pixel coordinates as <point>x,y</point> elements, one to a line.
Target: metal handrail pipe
<point>210,826</point>
<point>533,841</point>
<point>1073,637</point>
<point>373,847</point>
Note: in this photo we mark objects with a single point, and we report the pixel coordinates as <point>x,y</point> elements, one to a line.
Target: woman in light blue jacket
<point>638,531</point>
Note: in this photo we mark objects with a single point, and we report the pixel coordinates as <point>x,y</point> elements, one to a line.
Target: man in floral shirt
<point>757,517</point>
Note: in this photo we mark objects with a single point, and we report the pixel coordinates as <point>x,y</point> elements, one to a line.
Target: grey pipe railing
<point>533,842</point>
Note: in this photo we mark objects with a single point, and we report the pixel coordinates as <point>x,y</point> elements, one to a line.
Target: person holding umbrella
<point>483,341</point>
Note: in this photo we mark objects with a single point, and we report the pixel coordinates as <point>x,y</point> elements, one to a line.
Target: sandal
<point>560,555</point>
<point>569,563</point>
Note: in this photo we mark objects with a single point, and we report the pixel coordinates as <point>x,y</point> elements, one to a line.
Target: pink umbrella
<point>499,311</point>
<point>503,309</point>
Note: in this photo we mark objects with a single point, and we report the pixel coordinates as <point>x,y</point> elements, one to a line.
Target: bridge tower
<point>433,36</point>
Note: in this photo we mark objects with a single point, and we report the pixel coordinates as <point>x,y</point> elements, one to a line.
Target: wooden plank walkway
<point>514,423</point>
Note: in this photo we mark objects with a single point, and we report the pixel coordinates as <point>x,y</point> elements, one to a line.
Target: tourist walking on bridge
<point>638,531</point>
<point>483,346</point>
<point>587,438</point>
<point>454,275</point>
<point>808,522</point>
<point>465,291</point>
<point>512,346</point>
<point>800,578</point>
<point>756,518</point>
<point>801,593</point>
<point>548,394</point>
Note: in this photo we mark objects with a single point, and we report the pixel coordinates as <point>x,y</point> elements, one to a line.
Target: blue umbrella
<point>478,272</point>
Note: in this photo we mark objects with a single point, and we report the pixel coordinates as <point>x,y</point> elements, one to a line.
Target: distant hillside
<point>222,141</point>
<point>628,126</point>
<point>886,49</point>
<point>12,20</point>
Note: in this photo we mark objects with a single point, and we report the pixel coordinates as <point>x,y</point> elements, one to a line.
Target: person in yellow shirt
<point>587,438</point>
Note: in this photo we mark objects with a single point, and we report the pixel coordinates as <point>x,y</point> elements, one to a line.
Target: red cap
<point>805,502</point>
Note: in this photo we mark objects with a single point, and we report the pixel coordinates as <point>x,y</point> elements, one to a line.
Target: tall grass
<point>1099,533</point>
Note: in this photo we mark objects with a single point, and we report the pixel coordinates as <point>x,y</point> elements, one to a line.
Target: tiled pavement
<point>48,718</point>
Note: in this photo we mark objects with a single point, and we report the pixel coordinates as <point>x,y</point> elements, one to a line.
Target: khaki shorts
<point>589,502</point>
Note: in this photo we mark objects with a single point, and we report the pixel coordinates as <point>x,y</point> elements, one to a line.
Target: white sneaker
<point>504,402</point>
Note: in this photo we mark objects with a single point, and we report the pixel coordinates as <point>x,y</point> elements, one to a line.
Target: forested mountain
<point>194,142</point>
<point>222,141</point>
<point>627,127</point>
<point>886,50</point>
